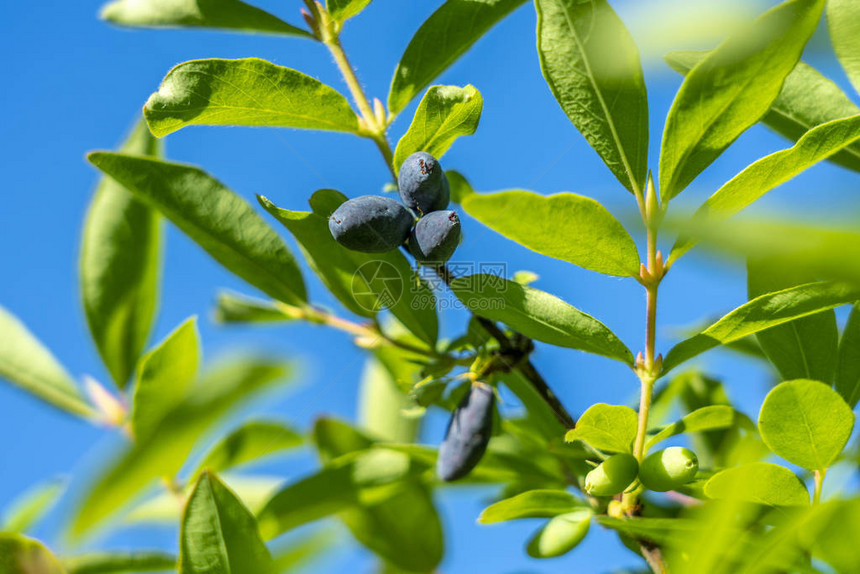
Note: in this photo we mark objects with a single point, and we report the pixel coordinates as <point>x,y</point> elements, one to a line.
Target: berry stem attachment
<point>818,477</point>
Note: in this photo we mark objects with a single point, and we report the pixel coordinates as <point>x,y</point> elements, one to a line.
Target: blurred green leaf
<point>610,428</point>
<point>444,114</point>
<point>759,482</point>
<point>659,530</point>
<point>119,267</point>
<point>19,555</point>
<point>539,413</point>
<point>565,226</point>
<point>297,554</point>
<point>708,418</point>
<point>219,534</point>
<point>221,14</point>
<point>440,41</point>
<point>246,92</point>
<point>538,315</point>
<point>560,534</point>
<point>237,308</point>
<point>252,441</point>
<point>834,542</point>
<point>531,504</point>
<point>381,400</point>
<point>460,188</point>
<point>164,378</point>
<point>120,562</point>
<point>731,89</point>
<point>220,221</point>
<point>806,423</point>
<point>762,313</point>
<point>342,10</point>
<point>848,371</point>
<point>29,508</point>
<point>843,21</point>
<point>808,99</point>
<point>592,66</point>
<point>27,364</point>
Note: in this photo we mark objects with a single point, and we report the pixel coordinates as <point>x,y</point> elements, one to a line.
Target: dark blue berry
<point>370,223</point>
<point>423,185</point>
<point>435,237</point>
<point>468,433</point>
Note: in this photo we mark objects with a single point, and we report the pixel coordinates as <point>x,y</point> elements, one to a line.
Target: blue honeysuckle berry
<point>371,223</point>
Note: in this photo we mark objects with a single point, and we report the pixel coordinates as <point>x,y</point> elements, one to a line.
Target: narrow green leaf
<point>220,221</point>
<point>164,378</point>
<point>218,392</point>
<point>219,534</point>
<point>382,400</point>
<point>772,171</point>
<point>565,226</point>
<point>807,99</point>
<point>561,534</point>
<point>610,428</point>
<point>252,441</point>
<point>760,482</point>
<point>27,364</point>
<point>848,371</point>
<point>538,315</point>
<point>444,114</point>
<point>237,308</point>
<point>246,92</point>
<point>762,313</point>
<point>28,509</point>
<point>843,21</point>
<point>19,555</point>
<point>446,35</point>
<point>806,423</point>
<point>713,417</point>
<point>342,10</point>
<point>731,89</point>
<point>802,349</point>
<point>120,562</point>
<point>219,14</point>
<point>592,66</point>
<point>531,504</point>
<point>119,267</point>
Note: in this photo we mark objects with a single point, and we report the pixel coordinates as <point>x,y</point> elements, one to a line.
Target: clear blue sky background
<point>73,84</point>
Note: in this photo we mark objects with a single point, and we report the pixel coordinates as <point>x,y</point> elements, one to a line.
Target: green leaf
<point>531,504</point>
<point>659,530</point>
<point>713,417</point>
<point>120,562</point>
<point>772,171</point>
<point>250,442</point>
<point>807,99</point>
<point>237,308</point>
<point>119,267</point>
<point>731,89</point>
<point>219,534</point>
<point>217,393</point>
<point>806,423</point>
<point>298,553</point>
<point>843,21</point>
<point>538,315</point>
<point>28,509</point>
<point>760,482</point>
<point>592,66</point>
<point>220,221</point>
<point>164,378</point>
<point>610,428</point>
<point>804,348</point>
<point>246,92</point>
<point>382,400</point>
<point>19,555</point>
<point>444,114</point>
<point>762,313</point>
<point>565,226</point>
<point>27,364</point>
<point>446,35</point>
<point>220,14</point>
<point>561,534</point>
<point>848,370</point>
<point>342,10</point>
<point>460,187</point>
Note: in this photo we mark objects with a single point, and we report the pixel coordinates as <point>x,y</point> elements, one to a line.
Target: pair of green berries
<point>661,471</point>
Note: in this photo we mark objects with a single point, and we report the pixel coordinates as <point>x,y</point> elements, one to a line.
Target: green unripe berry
<point>612,476</point>
<point>669,468</point>
<point>560,535</point>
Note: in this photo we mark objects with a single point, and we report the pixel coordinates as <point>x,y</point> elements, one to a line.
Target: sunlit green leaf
<point>708,418</point>
<point>219,534</point>
<point>806,423</point>
<point>27,364</point>
<point>538,315</point>
<point>565,226</point>
<point>592,67</point>
<point>760,482</point>
<point>342,10</point>
<point>221,14</point>
<point>446,35</point>
<point>29,508</point>
<point>531,504</point>
<point>19,555</point>
<point>119,267</point>
<point>460,187</point>
<point>216,218</point>
<point>237,308</point>
<point>561,534</point>
<point>444,114</point>
<point>246,92</point>
<point>611,428</point>
<point>843,21</point>
<point>848,371</point>
<point>250,442</point>
<point>120,562</point>
<point>731,89</point>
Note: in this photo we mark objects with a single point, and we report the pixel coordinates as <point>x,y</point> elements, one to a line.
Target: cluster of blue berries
<point>376,224</point>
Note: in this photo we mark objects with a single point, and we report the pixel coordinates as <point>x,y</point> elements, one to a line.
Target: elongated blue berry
<point>371,224</point>
<point>423,185</point>
<point>435,237</point>
<point>468,434</point>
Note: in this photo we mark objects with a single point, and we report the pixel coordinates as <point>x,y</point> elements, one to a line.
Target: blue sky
<point>74,84</point>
